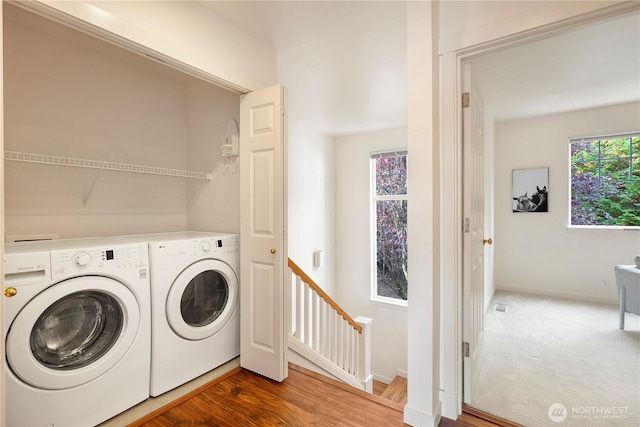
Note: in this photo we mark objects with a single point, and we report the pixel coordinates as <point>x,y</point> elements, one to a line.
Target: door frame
<point>451,145</point>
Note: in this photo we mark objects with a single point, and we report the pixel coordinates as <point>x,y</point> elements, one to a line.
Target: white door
<point>263,207</point>
<point>473,209</point>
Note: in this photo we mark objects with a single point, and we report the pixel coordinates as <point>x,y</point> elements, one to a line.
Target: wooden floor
<point>242,398</point>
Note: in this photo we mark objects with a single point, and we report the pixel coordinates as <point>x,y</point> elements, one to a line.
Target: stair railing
<point>322,332</point>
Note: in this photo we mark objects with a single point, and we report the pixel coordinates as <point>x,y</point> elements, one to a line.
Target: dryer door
<point>73,332</point>
<point>202,299</point>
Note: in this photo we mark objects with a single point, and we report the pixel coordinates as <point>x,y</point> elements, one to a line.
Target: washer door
<point>73,332</point>
<point>202,299</point>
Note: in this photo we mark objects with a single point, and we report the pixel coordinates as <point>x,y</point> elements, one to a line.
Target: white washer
<point>77,330</point>
<point>195,320</point>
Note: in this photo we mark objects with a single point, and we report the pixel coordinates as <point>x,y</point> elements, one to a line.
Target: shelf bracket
<point>86,198</point>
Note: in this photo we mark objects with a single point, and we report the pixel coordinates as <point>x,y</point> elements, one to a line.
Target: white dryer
<point>77,330</point>
<point>195,321</point>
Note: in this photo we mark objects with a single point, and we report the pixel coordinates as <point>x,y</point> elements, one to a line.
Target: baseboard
<point>487,303</point>
<point>414,417</point>
<point>299,360</point>
<point>488,417</point>
<point>450,405</point>
<point>339,384</point>
<point>563,295</point>
<point>382,378</point>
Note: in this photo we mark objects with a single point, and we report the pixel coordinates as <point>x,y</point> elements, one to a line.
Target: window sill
<point>571,228</point>
<point>389,302</point>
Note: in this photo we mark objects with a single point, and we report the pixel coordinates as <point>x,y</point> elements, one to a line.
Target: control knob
<point>205,246</point>
<point>82,259</point>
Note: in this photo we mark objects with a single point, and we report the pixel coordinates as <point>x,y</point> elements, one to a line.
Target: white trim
<point>381,378</point>
<point>388,153</point>
<point>451,281</point>
<point>594,138</point>
<point>514,29</point>
<point>590,139</point>
<point>374,198</point>
<point>414,417</point>
<point>563,295</point>
<point>324,363</point>
<point>2,232</point>
<point>388,301</point>
<point>487,303</point>
<point>63,15</point>
<point>572,228</point>
<point>448,399</point>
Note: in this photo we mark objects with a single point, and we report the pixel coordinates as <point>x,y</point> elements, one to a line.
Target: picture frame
<point>530,190</point>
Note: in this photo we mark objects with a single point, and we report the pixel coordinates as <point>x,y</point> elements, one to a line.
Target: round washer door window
<point>76,330</point>
<point>202,299</point>
<point>73,332</point>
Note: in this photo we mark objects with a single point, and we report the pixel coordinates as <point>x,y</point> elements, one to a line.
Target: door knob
<point>10,292</point>
<point>273,251</point>
<point>489,241</point>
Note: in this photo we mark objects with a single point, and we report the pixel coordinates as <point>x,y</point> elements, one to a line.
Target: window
<point>389,214</point>
<point>605,180</point>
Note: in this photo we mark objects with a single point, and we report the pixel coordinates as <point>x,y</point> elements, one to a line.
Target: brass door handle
<point>10,292</point>
<point>273,251</point>
<point>489,241</point>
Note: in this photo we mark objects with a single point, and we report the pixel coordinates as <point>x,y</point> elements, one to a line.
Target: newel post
<point>364,353</point>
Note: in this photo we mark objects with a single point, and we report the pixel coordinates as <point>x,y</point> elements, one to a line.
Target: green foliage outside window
<point>605,182</point>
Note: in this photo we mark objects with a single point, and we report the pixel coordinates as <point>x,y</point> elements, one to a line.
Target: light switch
<point>317,259</point>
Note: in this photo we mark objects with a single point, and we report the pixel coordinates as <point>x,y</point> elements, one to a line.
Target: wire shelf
<point>103,165</point>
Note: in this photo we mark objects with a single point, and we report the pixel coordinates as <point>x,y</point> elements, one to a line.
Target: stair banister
<point>323,333</point>
<point>306,279</point>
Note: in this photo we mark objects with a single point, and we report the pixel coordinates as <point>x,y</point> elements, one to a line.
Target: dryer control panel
<point>221,245</point>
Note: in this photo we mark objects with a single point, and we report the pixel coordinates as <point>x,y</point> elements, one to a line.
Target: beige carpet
<point>547,351</point>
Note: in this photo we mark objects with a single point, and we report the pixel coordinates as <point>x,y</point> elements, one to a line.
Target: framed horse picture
<point>530,190</point>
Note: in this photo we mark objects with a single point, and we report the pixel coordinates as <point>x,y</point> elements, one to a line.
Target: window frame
<point>590,139</point>
<point>374,198</point>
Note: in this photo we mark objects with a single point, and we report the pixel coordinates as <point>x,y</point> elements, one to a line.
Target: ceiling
<point>345,63</point>
<point>590,66</point>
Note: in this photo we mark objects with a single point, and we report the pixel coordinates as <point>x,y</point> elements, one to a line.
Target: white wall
<point>469,23</point>
<point>353,249</point>
<point>312,187</point>
<point>68,94</point>
<point>211,206</point>
<point>536,253</point>
<point>182,32</point>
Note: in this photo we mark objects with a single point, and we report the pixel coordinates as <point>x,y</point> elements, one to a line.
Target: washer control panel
<point>104,258</point>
